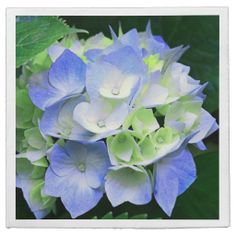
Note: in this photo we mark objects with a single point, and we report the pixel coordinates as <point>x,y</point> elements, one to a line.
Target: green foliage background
<point>201,200</point>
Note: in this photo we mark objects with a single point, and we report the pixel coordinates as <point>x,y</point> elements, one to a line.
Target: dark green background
<point>201,200</point>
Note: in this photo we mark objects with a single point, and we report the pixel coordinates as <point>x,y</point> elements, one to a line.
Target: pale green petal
<point>185,112</point>
<point>128,184</point>
<point>122,147</point>
<point>34,138</point>
<point>144,122</point>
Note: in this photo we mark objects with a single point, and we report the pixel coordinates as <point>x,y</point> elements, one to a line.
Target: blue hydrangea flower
<point>66,78</point>
<point>76,175</point>
<point>188,116</point>
<point>116,75</point>
<point>120,89</point>
<point>57,120</point>
<point>173,174</point>
<point>100,116</point>
<point>61,120</point>
<point>161,89</point>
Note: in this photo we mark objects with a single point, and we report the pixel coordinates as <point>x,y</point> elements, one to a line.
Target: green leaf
<point>122,216</point>
<point>140,216</point>
<point>32,37</point>
<point>109,215</point>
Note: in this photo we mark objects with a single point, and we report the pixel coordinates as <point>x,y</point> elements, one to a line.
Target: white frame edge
<point>224,208</point>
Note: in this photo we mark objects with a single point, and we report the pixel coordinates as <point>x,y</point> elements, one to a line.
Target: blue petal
<point>55,51</point>
<point>153,47</point>
<point>206,127</point>
<point>131,38</point>
<point>77,151</point>
<point>93,155</point>
<point>103,77</point>
<point>152,44</point>
<point>76,195</point>
<point>54,184</point>
<point>93,54</point>
<point>39,214</point>
<point>128,184</point>
<point>98,75</point>
<point>66,78</point>
<point>200,145</point>
<point>166,191</point>
<point>60,161</point>
<point>159,39</point>
<point>67,73</point>
<point>57,121</point>
<point>149,29</point>
<point>79,197</point>
<point>173,175</point>
<point>41,92</point>
<point>126,60</point>
<point>97,164</point>
<point>172,55</point>
<point>113,34</point>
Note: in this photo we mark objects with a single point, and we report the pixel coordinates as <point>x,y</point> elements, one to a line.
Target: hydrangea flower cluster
<point>108,116</point>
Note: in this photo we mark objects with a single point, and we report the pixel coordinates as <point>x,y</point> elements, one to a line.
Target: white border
<point>224,120</point>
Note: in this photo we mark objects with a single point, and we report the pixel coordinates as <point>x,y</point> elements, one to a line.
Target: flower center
<point>82,167</point>
<point>160,140</point>
<point>66,132</point>
<point>101,124</point>
<point>115,91</point>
